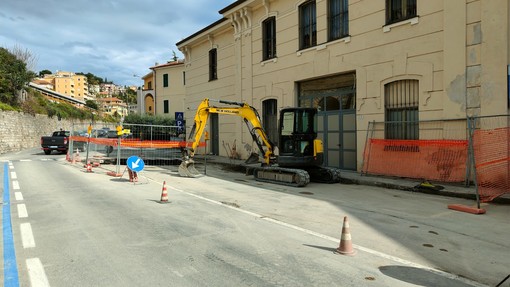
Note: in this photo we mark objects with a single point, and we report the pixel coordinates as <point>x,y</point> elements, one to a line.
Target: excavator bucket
<point>254,158</point>
<point>187,169</point>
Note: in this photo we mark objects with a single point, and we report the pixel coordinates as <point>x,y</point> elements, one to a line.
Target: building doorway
<point>214,149</point>
<point>335,99</point>
<point>270,119</point>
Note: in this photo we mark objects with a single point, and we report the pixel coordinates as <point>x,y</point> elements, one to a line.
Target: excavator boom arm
<point>245,111</point>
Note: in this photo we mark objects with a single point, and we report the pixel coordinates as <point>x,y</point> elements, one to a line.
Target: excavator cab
<point>298,144</point>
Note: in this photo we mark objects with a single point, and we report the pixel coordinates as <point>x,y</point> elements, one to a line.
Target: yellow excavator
<point>300,155</point>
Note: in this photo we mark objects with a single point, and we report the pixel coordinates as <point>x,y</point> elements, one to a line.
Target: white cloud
<point>111,39</point>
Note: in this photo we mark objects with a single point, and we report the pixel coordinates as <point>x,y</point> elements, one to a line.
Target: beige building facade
<point>169,88</point>
<point>355,61</point>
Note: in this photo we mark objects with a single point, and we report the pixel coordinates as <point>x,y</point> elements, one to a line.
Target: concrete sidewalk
<point>351,177</point>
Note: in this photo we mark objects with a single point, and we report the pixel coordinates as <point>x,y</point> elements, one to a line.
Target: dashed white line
<point>25,160</point>
<point>361,248</point>
<point>27,237</point>
<point>15,184</point>
<point>22,211</point>
<point>13,175</point>
<point>36,273</point>
<point>18,196</point>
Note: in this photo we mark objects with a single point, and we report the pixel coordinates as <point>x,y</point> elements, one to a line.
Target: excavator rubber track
<point>279,175</point>
<point>324,174</point>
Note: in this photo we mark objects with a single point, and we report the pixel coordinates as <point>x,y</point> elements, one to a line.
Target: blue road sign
<point>135,163</point>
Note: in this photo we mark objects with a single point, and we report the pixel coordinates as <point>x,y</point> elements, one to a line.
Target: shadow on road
<point>419,276</point>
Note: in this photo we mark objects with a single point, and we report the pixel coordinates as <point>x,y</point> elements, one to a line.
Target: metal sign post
<point>89,132</point>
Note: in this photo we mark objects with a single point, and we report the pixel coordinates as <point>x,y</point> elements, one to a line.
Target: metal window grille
<point>338,19</point>
<point>213,62</point>
<point>398,10</point>
<point>269,38</point>
<point>308,25</point>
<point>401,107</point>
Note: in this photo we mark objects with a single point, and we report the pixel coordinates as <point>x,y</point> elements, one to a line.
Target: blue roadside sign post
<point>134,165</point>
<point>179,121</point>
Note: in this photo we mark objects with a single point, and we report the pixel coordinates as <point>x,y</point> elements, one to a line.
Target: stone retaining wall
<point>20,131</point>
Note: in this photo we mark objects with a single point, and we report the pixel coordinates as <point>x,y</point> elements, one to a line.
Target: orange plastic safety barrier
<point>492,162</point>
<point>440,160</point>
<point>134,143</point>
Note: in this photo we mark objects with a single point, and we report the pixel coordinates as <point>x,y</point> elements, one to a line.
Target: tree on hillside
<point>91,78</point>
<point>91,104</point>
<point>44,72</point>
<point>13,77</point>
<point>25,56</point>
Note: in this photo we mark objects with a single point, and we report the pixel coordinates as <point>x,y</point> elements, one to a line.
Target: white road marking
<point>22,211</point>
<point>18,196</point>
<point>36,272</point>
<point>25,160</point>
<point>15,184</point>
<point>336,240</point>
<point>13,175</point>
<point>27,237</point>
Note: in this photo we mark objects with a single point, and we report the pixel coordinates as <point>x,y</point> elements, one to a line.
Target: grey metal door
<point>337,130</point>
<point>335,99</point>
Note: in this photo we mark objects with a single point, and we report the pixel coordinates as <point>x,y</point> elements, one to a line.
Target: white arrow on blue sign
<point>135,163</point>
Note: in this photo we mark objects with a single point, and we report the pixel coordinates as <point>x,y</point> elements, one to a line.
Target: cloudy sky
<point>111,39</point>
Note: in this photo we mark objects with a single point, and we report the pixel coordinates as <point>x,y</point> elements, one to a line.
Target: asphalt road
<point>225,229</point>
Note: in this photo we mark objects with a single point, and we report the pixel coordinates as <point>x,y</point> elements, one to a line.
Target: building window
<point>165,80</point>
<point>184,78</point>
<point>307,25</point>
<point>165,107</point>
<point>338,19</point>
<point>398,10</point>
<point>269,38</point>
<point>401,108</point>
<point>149,85</point>
<point>213,65</point>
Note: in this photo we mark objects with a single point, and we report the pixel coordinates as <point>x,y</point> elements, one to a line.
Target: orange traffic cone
<point>345,247</point>
<point>89,167</point>
<point>164,194</point>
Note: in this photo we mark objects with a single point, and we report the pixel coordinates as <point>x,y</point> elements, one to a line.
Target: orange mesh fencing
<point>440,160</point>
<point>492,162</point>
<point>134,143</point>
